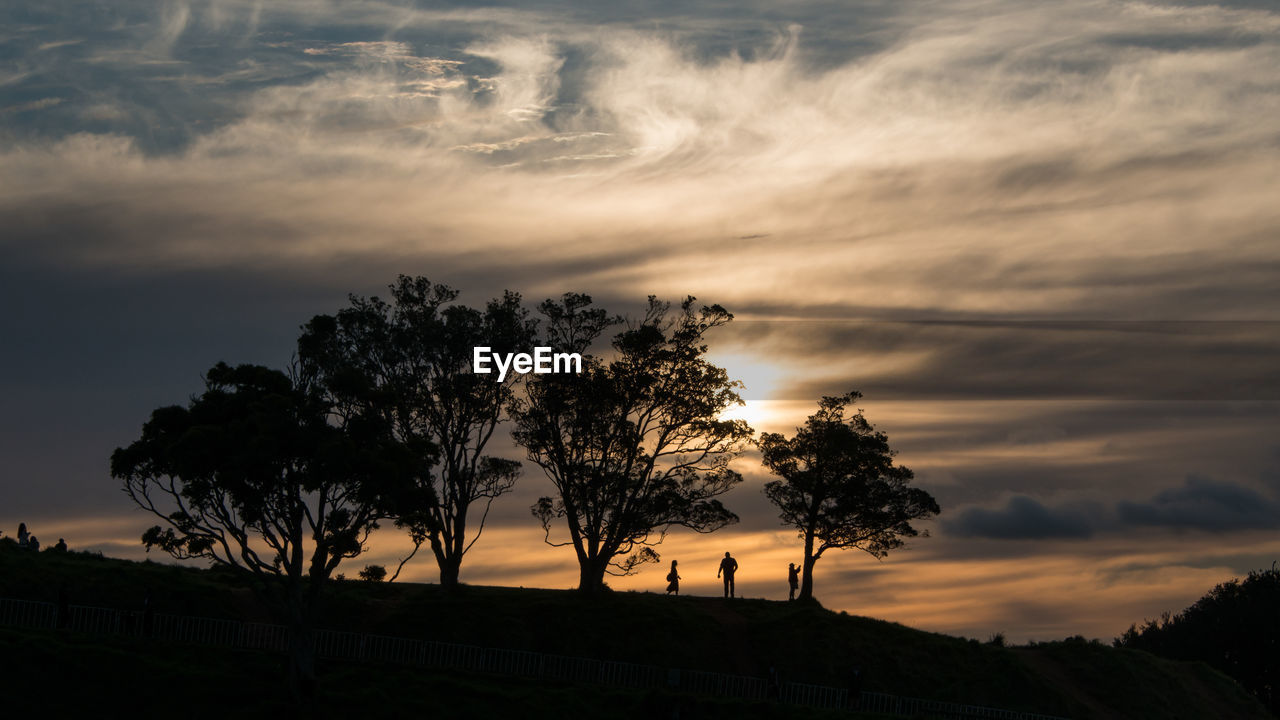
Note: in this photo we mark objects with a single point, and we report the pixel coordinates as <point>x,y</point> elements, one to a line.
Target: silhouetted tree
<point>253,476</point>
<point>409,363</point>
<point>633,445</point>
<point>1235,628</point>
<point>840,487</point>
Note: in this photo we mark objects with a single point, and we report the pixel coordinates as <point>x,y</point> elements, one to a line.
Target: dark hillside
<point>51,675</point>
<point>805,642</point>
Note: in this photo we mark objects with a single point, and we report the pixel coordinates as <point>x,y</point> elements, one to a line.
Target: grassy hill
<point>805,642</point>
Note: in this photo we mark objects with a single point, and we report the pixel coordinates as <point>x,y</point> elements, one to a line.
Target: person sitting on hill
<point>33,544</point>
<point>61,546</point>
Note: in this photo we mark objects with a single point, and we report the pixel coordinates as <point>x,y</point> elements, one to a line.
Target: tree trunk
<point>449,568</point>
<point>447,563</point>
<point>806,570</point>
<point>591,574</point>
<point>451,560</point>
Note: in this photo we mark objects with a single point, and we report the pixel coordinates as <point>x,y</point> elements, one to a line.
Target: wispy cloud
<point>1040,237</point>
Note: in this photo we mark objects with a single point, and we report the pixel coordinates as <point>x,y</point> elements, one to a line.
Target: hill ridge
<point>804,641</point>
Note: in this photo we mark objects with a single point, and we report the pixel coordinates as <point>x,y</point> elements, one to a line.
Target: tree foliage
<point>633,445</point>
<point>840,487</point>
<point>1235,628</point>
<point>407,362</point>
<point>253,476</point>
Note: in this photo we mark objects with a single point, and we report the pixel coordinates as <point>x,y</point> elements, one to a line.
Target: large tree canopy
<point>254,476</point>
<point>633,444</point>
<point>407,363</point>
<point>840,487</point>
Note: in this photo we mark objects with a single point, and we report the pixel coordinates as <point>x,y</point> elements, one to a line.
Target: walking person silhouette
<point>728,566</point>
<point>673,580</point>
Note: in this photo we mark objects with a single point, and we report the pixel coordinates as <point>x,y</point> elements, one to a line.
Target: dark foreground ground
<point>58,673</point>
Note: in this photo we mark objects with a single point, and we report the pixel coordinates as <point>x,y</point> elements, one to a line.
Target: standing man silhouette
<point>728,566</point>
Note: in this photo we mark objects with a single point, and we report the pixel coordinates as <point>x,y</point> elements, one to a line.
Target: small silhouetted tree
<point>840,487</point>
<point>252,475</point>
<point>633,444</point>
<point>1235,628</point>
<point>408,362</point>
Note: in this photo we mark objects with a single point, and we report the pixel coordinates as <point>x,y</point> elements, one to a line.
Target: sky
<point>1039,237</point>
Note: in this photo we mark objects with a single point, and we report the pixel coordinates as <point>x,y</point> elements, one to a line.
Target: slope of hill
<point>804,642</point>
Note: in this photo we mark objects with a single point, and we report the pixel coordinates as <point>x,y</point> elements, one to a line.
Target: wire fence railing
<point>366,647</point>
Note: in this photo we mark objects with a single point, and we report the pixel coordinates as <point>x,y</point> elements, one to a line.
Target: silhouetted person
<point>793,579</point>
<point>23,538</point>
<point>33,544</point>
<point>673,580</point>
<point>61,546</point>
<point>728,566</point>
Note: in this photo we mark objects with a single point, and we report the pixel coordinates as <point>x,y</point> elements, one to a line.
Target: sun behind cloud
<point>761,382</point>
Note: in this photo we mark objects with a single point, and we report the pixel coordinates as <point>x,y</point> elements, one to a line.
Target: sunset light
<point>342,280</point>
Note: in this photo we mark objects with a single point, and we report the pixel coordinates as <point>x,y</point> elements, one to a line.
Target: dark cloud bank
<point>1200,504</point>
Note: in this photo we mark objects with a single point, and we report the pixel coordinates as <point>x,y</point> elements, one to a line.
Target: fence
<point>337,645</point>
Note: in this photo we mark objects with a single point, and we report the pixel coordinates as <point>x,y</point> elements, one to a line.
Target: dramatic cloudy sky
<point>1040,237</point>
